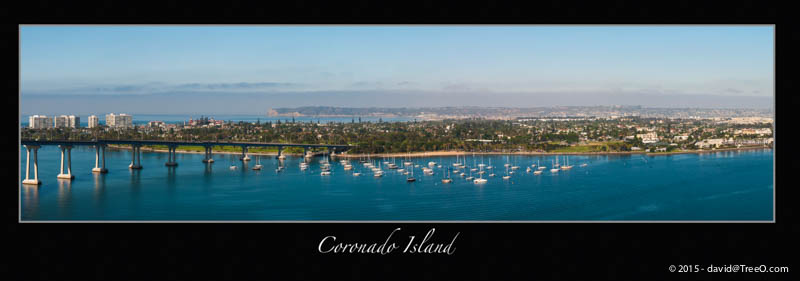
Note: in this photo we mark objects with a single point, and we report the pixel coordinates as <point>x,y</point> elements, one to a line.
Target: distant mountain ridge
<point>510,112</point>
<point>360,103</point>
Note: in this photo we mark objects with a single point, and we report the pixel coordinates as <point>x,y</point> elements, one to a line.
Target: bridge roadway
<point>100,145</point>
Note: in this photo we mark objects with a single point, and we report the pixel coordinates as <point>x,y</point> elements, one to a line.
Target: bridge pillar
<point>97,152</point>
<point>244,154</point>
<point>136,160</point>
<point>35,179</point>
<point>280,153</point>
<point>208,158</point>
<point>103,152</point>
<point>68,175</point>
<point>171,156</point>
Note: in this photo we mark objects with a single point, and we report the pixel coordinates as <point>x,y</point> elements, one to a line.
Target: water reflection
<point>171,179</point>
<point>99,186</point>
<point>99,192</point>
<point>208,176</point>
<point>136,181</point>
<point>30,196</point>
<point>245,167</point>
<point>64,197</point>
<point>207,171</point>
<point>171,170</point>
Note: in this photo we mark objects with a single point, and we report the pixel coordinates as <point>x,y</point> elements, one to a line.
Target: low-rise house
<point>648,137</point>
<point>681,138</point>
<point>710,143</point>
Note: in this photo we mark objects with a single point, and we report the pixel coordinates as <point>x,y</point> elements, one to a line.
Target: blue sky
<point>526,62</point>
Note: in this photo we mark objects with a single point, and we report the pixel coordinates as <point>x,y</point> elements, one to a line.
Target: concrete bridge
<point>100,155</point>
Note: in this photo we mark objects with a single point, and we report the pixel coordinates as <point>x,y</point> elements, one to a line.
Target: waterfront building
<point>73,121</point>
<point>40,122</point>
<point>750,131</point>
<point>61,121</point>
<point>710,143</point>
<point>93,121</point>
<point>119,121</point>
<point>155,124</point>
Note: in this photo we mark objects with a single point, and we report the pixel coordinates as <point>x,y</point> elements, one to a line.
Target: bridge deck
<point>168,143</point>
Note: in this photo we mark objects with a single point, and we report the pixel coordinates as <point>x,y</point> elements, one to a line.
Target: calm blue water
<point>174,119</point>
<point>718,186</point>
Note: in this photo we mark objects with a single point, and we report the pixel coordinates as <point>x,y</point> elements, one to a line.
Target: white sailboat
<point>507,176</point>
<point>377,171</point>
<point>480,180</point>
<point>411,177</point>
<point>258,163</point>
<point>553,170</point>
<point>514,167</point>
<point>470,173</point>
<point>447,179</point>
<point>567,166</point>
<point>540,167</point>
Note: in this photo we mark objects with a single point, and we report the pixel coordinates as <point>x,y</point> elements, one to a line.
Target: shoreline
<point>461,153</point>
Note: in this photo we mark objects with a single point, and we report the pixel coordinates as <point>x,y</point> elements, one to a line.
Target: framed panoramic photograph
<point>397,123</point>
<point>403,152</point>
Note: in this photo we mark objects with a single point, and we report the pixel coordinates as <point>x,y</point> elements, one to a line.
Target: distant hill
<point>510,112</point>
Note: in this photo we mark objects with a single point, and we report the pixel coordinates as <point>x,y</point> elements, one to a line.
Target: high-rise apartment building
<point>93,121</point>
<point>74,121</point>
<point>40,122</point>
<point>61,121</point>
<point>119,121</point>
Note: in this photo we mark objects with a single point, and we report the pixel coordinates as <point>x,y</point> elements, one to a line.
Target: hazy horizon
<point>261,103</point>
<point>249,69</point>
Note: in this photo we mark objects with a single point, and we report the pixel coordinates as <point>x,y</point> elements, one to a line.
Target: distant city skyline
<point>248,69</point>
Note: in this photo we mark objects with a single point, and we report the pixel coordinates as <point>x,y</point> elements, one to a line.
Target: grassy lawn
<point>591,147</point>
<point>578,148</point>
